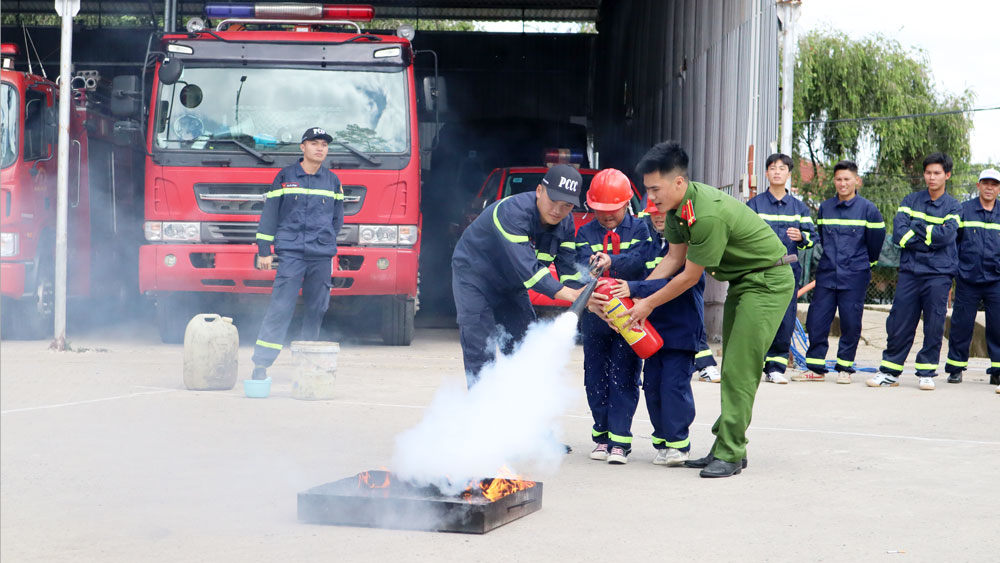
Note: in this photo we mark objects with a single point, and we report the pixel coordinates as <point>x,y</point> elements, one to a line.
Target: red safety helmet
<point>651,209</point>
<point>610,190</point>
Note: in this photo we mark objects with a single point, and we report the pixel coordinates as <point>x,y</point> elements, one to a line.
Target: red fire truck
<point>103,235</point>
<point>227,108</point>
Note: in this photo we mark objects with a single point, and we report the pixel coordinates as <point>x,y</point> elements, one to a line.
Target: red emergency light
<point>563,156</point>
<point>9,49</point>
<point>277,11</point>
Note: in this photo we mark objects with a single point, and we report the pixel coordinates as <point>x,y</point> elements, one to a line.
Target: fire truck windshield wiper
<point>257,154</point>
<point>363,156</point>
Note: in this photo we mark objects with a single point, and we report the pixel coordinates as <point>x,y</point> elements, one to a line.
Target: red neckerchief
<point>615,243</point>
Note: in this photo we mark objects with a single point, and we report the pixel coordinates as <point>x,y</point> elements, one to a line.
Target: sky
<point>961,39</point>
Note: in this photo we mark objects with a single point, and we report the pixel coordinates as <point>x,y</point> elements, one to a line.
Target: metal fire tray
<point>401,505</point>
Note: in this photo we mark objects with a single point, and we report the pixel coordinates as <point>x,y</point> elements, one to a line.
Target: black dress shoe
<point>703,462</point>
<point>955,377</point>
<point>720,468</point>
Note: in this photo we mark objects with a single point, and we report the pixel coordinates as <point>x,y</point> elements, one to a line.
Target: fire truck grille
<point>237,199</point>
<point>241,233</point>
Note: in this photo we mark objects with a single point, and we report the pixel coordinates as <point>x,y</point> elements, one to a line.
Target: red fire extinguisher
<point>644,339</point>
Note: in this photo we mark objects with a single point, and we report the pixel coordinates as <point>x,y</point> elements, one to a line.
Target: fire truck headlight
<point>372,235</point>
<point>153,230</point>
<point>408,235</point>
<point>181,232</point>
<point>8,244</point>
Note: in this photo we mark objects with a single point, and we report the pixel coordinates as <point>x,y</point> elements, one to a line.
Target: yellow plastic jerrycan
<point>210,346</point>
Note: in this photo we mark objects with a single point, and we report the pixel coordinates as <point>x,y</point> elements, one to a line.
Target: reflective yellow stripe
<point>873,264</point>
<point>816,361</point>
<point>806,219</point>
<point>844,363</point>
<point>807,238</point>
<point>620,439</point>
<point>658,440</point>
<point>304,191</point>
<point>534,279</point>
<point>702,354</point>
<point>926,217</point>
<point>624,245</point>
<point>890,365</point>
<point>544,257</point>
<point>580,244</point>
<point>778,359</point>
<point>925,366</point>
<point>677,445</point>
<point>642,214</point>
<point>654,263</point>
<point>952,362</point>
<point>595,433</point>
<point>930,229</point>
<point>262,236</point>
<point>506,235</point>
<point>269,345</point>
<point>879,225</point>
<point>851,223</point>
<point>906,237</point>
<point>980,224</point>
<point>995,364</point>
<point>570,277</point>
<point>568,244</point>
<point>784,218</point>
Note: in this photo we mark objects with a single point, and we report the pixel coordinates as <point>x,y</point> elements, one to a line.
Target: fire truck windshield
<point>267,109</point>
<point>8,126</point>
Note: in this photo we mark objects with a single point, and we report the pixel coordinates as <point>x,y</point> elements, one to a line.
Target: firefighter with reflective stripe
<point>505,252</point>
<point>978,279</point>
<point>704,362</point>
<point>851,233</point>
<point>614,242</point>
<point>925,228</point>
<point>790,219</point>
<point>303,213</point>
<point>666,381</point>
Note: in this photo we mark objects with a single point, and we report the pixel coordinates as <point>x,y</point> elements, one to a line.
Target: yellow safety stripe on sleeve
<point>906,237</point>
<point>925,366</point>
<point>570,277</point>
<point>624,245</point>
<point>677,445</point>
<point>544,257</point>
<point>927,240</point>
<point>303,191</point>
<point>620,439</point>
<point>535,278</point>
<point>873,264</point>
<point>269,345</point>
<point>980,224</point>
<point>642,214</point>
<point>890,365</point>
<point>995,364</point>
<point>654,262</point>
<point>779,359</point>
<point>568,244</point>
<point>816,361</point>
<point>806,241</point>
<point>505,234</point>
<point>844,363</point>
<point>956,363</point>
<point>262,236</point>
<point>851,223</point>
<point>785,218</point>
<point>928,218</point>
<point>702,354</point>
<point>581,244</point>
<point>595,433</point>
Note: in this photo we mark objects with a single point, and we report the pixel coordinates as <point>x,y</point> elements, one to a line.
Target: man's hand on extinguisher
<point>596,306</point>
<point>621,289</point>
<point>637,314</point>
<point>599,262</point>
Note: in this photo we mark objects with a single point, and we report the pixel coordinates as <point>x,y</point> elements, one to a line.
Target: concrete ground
<point>105,456</point>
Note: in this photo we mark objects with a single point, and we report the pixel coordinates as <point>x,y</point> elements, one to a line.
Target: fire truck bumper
<point>12,279</point>
<point>229,269</point>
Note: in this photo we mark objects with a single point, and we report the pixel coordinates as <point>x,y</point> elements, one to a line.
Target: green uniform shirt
<point>723,235</point>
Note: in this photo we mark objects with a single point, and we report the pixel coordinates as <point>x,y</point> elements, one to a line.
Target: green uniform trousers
<point>755,305</point>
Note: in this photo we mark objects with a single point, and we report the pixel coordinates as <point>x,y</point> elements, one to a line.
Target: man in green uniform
<point>710,231</point>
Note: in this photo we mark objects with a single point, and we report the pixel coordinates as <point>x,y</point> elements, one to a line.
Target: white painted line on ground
<point>60,405</point>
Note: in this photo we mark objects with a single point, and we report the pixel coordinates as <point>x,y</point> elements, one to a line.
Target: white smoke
<point>508,419</point>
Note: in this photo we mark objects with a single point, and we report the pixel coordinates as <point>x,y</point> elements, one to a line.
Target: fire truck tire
<point>397,320</point>
<point>173,312</point>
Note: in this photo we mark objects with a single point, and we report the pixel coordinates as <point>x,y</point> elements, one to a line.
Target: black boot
<point>995,379</point>
<point>955,377</point>
<point>259,373</point>
<point>720,468</point>
<point>703,462</point>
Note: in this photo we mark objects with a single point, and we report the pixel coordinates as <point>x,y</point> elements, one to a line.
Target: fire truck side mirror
<point>125,96</point>
<point>170,70</point>
<point>435,94</point>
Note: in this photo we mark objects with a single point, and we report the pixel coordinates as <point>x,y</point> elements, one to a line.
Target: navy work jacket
<point>303,213</point>
<point>851,233</point>
<point>629,262</point>
<point>508,249</point>
<point>925,231</point>
<point>681,320</point>
<point>782,214</point>
<point>979,243</point>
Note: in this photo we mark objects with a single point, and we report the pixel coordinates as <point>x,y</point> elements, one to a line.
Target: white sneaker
<point>998,389</point>
<point>926,383</point>
<point>709,374</point>
<point>671,457</point>
<point>600,452</point>
<point>843,378</point>
<point>775,377</point>
<point>882,380</point>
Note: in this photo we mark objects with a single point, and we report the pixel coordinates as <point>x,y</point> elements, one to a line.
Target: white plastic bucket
<point>316,369</point>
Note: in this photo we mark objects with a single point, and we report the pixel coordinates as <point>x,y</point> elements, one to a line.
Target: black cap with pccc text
<point>563,183</point>
<point>316,133</point>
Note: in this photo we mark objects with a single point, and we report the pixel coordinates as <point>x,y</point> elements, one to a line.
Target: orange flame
<point>506,483</point>
<point>365,480</point>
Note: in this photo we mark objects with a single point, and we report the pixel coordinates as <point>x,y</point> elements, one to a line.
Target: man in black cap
<point>505,252</point>
<point>303,213</point>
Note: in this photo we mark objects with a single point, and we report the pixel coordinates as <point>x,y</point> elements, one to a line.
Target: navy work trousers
<point>703,358</point>
<point>915,294</point>
<point>826,302</point>
<point>487,319</point>
<point>776,358</point>
<point>312,276</point>
<point>963,321</point>
<point>611,373</point>
<point>666,383</point>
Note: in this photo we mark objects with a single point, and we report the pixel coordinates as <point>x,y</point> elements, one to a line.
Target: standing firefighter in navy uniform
<point>505,252</point>
<point>303,213</point>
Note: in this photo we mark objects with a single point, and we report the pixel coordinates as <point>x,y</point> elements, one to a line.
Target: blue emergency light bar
<point>277,11</point>
<point>563,156</point>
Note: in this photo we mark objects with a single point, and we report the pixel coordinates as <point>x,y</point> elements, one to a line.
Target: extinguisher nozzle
<point>581,302</point>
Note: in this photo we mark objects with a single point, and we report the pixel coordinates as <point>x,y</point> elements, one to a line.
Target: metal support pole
<point>789,10</point>
<point>67,9</point>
